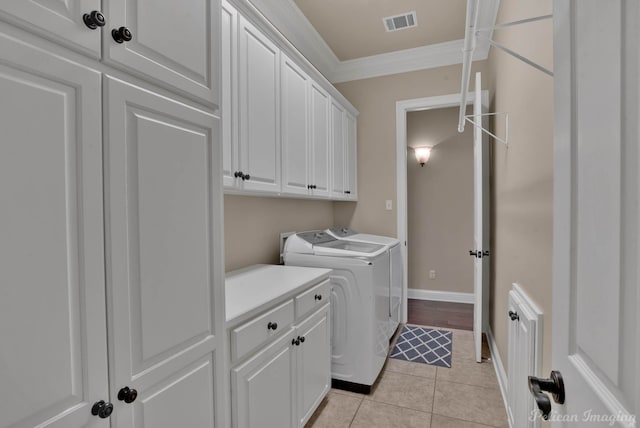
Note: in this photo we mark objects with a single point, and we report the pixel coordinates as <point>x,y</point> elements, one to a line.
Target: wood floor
<point>441,314</point>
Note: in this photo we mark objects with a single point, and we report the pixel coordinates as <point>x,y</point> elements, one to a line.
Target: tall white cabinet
<point>112,297</point>
<point>52,299</point>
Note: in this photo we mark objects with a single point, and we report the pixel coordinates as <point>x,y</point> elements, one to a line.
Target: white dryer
<point>359,299</point>
<point>396,268</point>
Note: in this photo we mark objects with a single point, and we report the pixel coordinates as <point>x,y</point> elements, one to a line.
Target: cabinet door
<point>263,388</point>
<point>319,139</point>
<point>259,90</point>
<point>295,129</point>
<point>53,352</point>
<point>313,363</point>
<point>337,151</point>
<point>351,160</point>
<point>174,42</point>
<point>229,94</point>
<point>60,21</point>
<point>165,277</point>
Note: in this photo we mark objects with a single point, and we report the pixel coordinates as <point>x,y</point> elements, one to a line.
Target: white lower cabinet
<point>313,364</point>
<point>264,387</point>
<point>288,373</point>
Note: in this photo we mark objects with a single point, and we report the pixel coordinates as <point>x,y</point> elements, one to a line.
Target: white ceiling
<point>355,29</point>
<point>349,42</point>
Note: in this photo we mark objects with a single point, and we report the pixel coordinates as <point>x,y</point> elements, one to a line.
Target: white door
<point>596,327</point>
<point>337,151</point>
<point>174,42</point>
<point>163,196</point>
<point>313,363</point>
<point>263,388</point>
<point>319,139</point>
<point>229,94</point>
<point>351,160</point>
<point>53,347</point>
<point>295,128</point>
<point>480,223</point>
<point>259,91</point>
<point>58,20</point>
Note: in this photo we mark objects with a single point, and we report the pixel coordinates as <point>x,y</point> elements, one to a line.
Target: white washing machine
<point>396,268</point>
<point>359,299</point>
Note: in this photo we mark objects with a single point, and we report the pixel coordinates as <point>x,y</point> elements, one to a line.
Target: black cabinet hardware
<point>272,326</point>
<point>94,19</point>
<point>296,341</point>
<point>514,316</point>
<point>318,297</point>
<point>102,409</point>
<point>127,395</point>
<point>121,35</point>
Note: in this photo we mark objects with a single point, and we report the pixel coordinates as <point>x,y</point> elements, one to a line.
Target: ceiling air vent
<point>400,22</point>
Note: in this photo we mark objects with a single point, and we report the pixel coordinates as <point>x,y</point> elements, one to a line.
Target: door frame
<point>402,108</point>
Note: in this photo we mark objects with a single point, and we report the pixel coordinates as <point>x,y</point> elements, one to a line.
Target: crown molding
<point>287,17</point>
<point>296,28</point>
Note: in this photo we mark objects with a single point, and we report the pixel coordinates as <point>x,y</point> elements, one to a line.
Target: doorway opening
<point>403,109</point>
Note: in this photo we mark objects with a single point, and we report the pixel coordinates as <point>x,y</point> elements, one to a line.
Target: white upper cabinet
<point>170,41</point>
<point>163,249</point>
<point>319,174</point>
<point>282,133</point>
<point>61,21</point>
<point>229,95</point>
<point>337,151</point>
<point>259,110</point>
<point>53,352</point>
<point>351,157</point>
<point>295,128</point>
<point>173,43</point>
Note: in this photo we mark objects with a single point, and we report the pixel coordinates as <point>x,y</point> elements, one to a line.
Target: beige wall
<point>522,182</point>
<point>375,99</point>
<point>252,226</point>
<point>440,202</point>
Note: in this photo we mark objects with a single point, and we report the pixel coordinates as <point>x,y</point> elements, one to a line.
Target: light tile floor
<point>408,395</point>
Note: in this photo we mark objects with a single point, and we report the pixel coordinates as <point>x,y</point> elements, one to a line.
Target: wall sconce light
<point>422,154</point>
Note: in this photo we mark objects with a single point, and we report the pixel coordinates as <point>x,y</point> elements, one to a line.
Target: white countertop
<point>250,288</point>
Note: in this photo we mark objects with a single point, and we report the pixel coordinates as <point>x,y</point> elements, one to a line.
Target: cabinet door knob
<point>94,19</point>
<point>272,326</point>
<point>301,339</point>
<point>122,34</point>
<point>514,316</point>
<point>246,177</point>
<point>102,409</point>
<point>127,395</point>
<point>318,297</point>
<point>296,341</point>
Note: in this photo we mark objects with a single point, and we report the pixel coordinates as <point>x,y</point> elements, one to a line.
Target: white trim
<point>501,374</point>
<point>402,107</point>
<point>440,296</point>
<point>296,28</point>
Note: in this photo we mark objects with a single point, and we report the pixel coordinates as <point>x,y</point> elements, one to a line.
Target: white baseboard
<point>499,368</point>
<point>440,296</point>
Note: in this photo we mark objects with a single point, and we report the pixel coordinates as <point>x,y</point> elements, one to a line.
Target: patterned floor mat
<point>424,345</point>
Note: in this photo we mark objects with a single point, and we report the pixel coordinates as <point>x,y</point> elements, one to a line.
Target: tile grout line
<point>356,412</point>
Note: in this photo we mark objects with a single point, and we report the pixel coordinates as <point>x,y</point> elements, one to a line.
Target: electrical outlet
<point>432,274</point>
<point>388,205</point>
